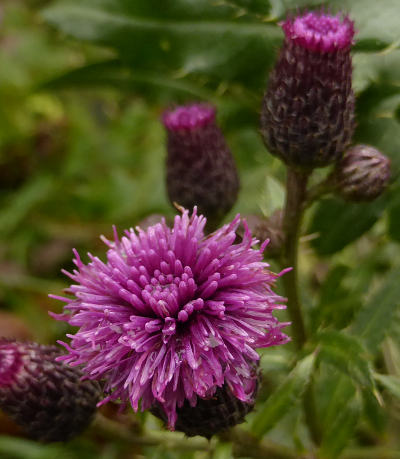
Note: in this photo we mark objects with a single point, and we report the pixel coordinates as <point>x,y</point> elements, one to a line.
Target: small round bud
<point>46,398</point>
<point>307,116</point>
<point>362,174</point>
<point>200,167</point>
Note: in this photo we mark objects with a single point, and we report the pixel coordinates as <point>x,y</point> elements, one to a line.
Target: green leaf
<point>374,319</point>
<point>374,411</point>
<point>24,201</point>
<point>284,397</point>
<point>339,432</point>
<point>257,7</point>
<point>113,73</point>
<point>339,300</point>
<point>390,383</point>
<point>338,223</point>
<point>181,37</point>
<point>394,219</point>
<point>347,354</point>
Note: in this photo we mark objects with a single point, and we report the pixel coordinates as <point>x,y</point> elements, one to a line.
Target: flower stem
<point>296,188</point>
<point>296,195</point>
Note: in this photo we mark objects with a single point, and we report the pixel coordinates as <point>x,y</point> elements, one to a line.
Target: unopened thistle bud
<point>47,399</point>
<point>362,174</point>
<point>200,167</point>
<point>211,415</point>
<point>307,116</point>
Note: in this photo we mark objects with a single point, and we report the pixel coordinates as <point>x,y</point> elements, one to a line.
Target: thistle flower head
<point>307,116</point>
<point>172,315</point>
<point>200,167</point>
<point>320,32</point>
<point>46,398</point>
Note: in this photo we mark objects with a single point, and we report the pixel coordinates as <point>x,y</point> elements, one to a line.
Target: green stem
<point>293,213</point>
<point>296,195</point>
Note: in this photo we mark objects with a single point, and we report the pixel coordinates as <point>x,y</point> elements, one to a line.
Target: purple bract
<point>173,314</point>
<point>317,31</point>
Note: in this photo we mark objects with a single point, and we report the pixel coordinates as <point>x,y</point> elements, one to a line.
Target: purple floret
<point>173,314</point>
<point>317,31</point>
<point>189,117</point>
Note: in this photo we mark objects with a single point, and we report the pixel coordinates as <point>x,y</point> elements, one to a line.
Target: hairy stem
<point>296,195</point>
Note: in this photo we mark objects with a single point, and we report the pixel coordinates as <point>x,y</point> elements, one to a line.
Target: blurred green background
<point>82,88</point>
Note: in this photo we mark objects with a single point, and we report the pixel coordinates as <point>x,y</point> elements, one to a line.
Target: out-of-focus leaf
<point>19,448</point>
<point>24,201</point>
<point>284,397</point>
<point>338,223</point>
<point>258,7</point>
<point>273,196</point>
<point>338,302</point>
<point>389,382</point>
<point>180,37</point>
<point>347,354</point>
<point>146,83</point>
<point>394,220</point>
<point>374,319</point>
<point>374,411</point>
<point>338,433</point>
<point>223,451</point>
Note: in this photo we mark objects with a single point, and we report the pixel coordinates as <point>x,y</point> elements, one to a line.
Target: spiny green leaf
<point>284,397</point>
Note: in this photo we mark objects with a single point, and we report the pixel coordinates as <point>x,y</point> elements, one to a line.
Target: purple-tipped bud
<point>211,415</point>
<point>362,174</point>
<point>47,399</point>
<point>200,168</point>
<point>307,117</point>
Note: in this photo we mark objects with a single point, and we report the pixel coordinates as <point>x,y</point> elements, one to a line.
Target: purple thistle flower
<point>307,117</point>
<point>201,170</point>
<point>173,315</point>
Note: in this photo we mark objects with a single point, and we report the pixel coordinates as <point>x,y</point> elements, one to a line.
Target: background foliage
<point>82,87</point>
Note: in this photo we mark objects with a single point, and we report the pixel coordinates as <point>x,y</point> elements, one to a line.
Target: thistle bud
<point>211,415</point>
<point>47,399</point>
<point>362,174</point>
<point>307,116</point>
<point>200,167</point>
